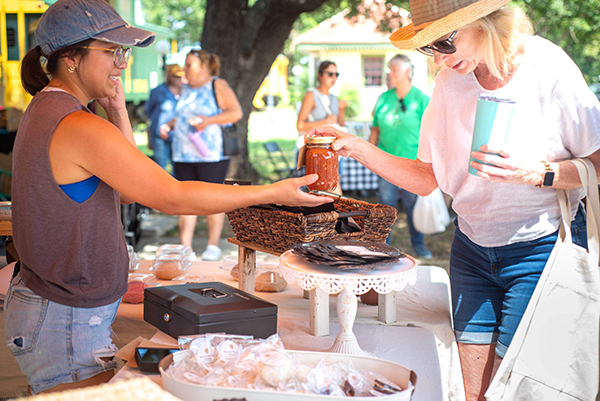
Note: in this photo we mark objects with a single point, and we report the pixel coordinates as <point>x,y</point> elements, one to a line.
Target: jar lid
<point>321,139</point>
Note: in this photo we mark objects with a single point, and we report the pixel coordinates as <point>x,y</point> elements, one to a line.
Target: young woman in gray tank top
<point>319,107</point>
<point>73,257</point>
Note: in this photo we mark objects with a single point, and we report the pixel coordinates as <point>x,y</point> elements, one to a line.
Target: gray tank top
<point>71,253</point>
<point>319,112</point>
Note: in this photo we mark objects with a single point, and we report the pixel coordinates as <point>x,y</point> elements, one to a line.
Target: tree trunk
<point>247,41</point>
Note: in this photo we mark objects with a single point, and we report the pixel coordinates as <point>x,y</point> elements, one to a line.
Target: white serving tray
<point>395,373</point>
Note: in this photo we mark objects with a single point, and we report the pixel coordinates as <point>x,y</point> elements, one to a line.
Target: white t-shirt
<point>556,117</point>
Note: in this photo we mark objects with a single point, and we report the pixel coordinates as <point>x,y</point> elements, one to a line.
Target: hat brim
<point>127,35</point>
<point>411,37</point>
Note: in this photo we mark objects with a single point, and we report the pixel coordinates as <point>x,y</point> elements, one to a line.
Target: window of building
<point>373,70</point>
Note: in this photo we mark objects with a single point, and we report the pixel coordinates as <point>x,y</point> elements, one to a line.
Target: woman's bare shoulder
<point>82,124</point>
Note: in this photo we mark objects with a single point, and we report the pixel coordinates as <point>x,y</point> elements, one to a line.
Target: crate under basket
<point>278,230</point>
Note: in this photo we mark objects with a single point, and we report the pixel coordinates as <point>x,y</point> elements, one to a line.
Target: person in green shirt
<point>396,125</point>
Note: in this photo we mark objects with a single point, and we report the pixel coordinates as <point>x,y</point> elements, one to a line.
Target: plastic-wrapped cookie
<point>275,367</point>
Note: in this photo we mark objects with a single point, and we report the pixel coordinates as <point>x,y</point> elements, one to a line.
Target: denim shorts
<point>491,287</point>
<point>54,343</point>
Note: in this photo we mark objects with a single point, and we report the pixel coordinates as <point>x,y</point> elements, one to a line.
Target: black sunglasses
<point>402,105</point>
<point>443,46</point>
<point>332,74</point>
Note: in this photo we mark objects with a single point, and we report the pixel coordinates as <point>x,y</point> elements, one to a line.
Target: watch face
<point>548,179</point>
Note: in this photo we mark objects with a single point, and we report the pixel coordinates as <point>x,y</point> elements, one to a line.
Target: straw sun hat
<point>433,19</point>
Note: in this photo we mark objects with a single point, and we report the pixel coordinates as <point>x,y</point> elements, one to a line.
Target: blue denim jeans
<point>389,195</point>
<point>491,287</point>
<point>54,343</point>
<point>162,151</point>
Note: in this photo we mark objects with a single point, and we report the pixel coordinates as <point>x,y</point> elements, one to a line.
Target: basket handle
<point>321,218</point>
<point>353,214</point>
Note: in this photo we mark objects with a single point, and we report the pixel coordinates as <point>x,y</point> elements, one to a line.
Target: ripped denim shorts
<point>54,343</point>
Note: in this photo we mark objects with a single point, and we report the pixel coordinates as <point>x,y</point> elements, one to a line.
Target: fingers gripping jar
<point>322,160</point>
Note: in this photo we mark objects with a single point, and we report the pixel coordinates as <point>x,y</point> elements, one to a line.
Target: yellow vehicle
<point>275,83</point>
<point>18,20</point>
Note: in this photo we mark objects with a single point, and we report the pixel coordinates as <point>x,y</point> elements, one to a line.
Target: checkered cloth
<point>354,176</point>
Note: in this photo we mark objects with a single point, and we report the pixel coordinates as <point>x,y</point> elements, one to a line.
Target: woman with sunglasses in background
<point>508,213</point>
<point>72,169</point>
<point>205,104</point>
<point>396,124</point>
<point>319,107</point>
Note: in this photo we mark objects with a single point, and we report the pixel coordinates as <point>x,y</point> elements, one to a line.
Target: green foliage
<point>305,22</point>
<point>297,87</point>
<point>572,25</point>
<point>184,17</point>
<point>350,94</point>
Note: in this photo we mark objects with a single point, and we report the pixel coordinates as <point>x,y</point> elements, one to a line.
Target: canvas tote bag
<point>554,355</point>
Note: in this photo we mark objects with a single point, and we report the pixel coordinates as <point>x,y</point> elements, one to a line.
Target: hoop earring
<point>71,69</point>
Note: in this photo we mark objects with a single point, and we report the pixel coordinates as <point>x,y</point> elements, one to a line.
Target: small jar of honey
<point>322,160</point>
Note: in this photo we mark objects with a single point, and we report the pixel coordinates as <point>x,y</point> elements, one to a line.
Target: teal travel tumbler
<point>492,121</point>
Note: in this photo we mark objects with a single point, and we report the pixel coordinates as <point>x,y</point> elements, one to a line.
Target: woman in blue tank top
<point>206,103</point>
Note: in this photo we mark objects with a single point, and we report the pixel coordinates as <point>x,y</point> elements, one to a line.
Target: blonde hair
<point>210,59</point>
<point>503,35</point>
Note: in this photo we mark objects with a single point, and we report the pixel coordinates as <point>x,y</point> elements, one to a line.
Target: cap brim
<point>127,36</point>
<point>411,37</point>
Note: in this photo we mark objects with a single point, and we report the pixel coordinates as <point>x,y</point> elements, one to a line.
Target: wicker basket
<point>278,230</point>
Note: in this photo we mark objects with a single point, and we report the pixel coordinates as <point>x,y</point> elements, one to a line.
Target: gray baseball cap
<point>67,22</point>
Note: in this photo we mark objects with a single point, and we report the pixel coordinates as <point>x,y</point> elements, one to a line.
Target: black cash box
<point>198,308</point>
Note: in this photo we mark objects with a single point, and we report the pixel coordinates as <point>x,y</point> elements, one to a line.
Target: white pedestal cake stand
<point>349,284</point>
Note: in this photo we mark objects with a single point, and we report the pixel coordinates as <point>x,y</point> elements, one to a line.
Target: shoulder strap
<point>215,92</point>
<point>587,174</point>
<point>318,94</point>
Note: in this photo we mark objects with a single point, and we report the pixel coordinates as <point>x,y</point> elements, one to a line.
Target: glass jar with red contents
<point>322,160</point>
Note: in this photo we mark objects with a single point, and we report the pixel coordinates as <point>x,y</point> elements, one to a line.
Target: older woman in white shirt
<point>508,214</point>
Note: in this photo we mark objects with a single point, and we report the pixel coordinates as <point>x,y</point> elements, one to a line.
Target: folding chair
<point>280,163</point>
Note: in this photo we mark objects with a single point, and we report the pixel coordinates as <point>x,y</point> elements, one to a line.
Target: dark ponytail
<point>33,77</point>
<point>214,65</point>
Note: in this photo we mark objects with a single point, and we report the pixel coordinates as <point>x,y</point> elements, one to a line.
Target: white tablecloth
<point>425,305</point>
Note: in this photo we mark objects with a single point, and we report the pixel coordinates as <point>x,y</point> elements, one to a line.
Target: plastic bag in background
<point>430,214</point>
